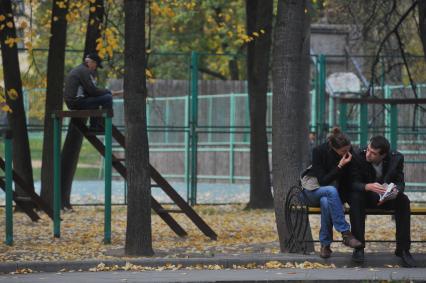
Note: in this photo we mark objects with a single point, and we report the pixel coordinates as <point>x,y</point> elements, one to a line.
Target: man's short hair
<point>380,143</point>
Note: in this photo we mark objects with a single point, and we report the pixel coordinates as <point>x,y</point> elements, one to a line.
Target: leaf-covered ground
<point>240,231</point>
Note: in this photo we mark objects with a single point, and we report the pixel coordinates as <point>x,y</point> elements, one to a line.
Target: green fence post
<point>342,116</point>
<point>313,94</point>
<point>331,111</point>
<point>387,94</point>
<point>315,98</point>
<point>231,138</point>
<point>417,108</point>
<point>56,177</point>
<point>9,192</point>
<point>394,127</point>
<point>187,137</point>
<point>363,135</point>
<point>108,175</point>
<point>166,121</point>
<point>246,136</point>
<point>210,118</point>
<point>321,97</point>
<point>194,124</point>
<point>148,116</point>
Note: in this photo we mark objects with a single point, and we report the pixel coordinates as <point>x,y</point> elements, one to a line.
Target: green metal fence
<point>193,116</point>
<point>403,125</point>
<point>8,183</point>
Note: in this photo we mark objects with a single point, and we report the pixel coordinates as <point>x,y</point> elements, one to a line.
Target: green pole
<point>313,94</point>
<point>194,119</point>
<point>247,114</point>
<point>394,127</point>
<point>387,94</point>
<point>187,134</point>
<point>9,192</point>
<point>231,138</point>
<point>321,96</point>
<point>148,117</point>
<point>108,170</point>
<point>166,120</point>
<point>56,177</point>
<point>316,99</point>
<point>210,119</point>
<point>363,135</point>
<point>417,108</point>
<point>331,111</point>
<point>342,116</point>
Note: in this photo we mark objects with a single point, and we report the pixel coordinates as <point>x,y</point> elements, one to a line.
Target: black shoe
<point>358,255</point>
<point>325,251</point>
<point>407,258</point>
<point>350,241</point>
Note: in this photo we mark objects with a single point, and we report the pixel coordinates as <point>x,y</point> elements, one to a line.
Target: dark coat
<point>324,167</point>
<point>363,172</point>
<point>81,76</point>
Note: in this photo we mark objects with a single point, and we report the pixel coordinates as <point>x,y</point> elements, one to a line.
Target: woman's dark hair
<point>337,139</point>
<point>380,143</point>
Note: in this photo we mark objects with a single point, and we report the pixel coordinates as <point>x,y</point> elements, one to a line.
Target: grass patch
<point>89,162</point>
<point>80,174</point>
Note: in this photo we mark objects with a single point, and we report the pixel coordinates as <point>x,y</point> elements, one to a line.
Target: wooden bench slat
<point>82,113</point>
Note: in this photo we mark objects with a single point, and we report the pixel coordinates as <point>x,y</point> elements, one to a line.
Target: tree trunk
<point>233,69</point>
<point>74,139</point>
<point>422,24</point>
<point>259,17</point>
<point>290,76</point>
<point>138,231</point>
<point>17,120</point>
<point>55,84</point>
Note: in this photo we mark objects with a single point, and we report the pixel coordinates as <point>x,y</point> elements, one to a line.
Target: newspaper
<point>390,193</point>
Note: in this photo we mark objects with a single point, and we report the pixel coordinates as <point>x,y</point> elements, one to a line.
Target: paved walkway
<point>378,266</point>
<point>252,275</point>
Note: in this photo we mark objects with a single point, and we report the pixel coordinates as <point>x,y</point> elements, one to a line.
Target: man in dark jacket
<point>373,167</point>
<point>80,90</point>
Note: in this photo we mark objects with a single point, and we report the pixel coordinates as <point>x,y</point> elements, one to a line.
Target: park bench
<point>297,213</point>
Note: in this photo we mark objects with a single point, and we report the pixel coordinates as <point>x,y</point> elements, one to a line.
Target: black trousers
<point>92,102</point>
<point>359,201</point>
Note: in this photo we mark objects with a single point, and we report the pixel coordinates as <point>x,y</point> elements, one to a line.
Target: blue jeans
<point>92,102</point>
<point>327,198</point>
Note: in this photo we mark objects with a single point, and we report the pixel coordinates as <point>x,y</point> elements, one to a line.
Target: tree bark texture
<point>55,84</point>
<point>259,17</point>
<point>290,75</point>
<point>74,139</point>
<point>422,24</point>
<point>17,120</point>
<point>138,231</point>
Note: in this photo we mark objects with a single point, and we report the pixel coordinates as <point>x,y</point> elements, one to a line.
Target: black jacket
<point>80,76</point>
<point>324,167</point>
<point>363,172</point>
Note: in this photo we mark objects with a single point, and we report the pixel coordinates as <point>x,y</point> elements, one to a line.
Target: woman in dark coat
<point>330,165</point>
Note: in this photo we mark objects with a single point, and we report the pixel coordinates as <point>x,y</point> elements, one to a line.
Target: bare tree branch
<point>382,44</point>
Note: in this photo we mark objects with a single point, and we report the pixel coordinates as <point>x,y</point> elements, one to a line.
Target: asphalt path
<point>250,275</point>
